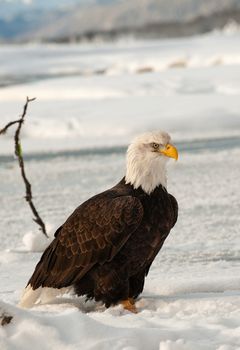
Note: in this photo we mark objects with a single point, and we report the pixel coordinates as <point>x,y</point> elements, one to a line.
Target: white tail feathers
<point>30,297</point>
<point>41,295</point>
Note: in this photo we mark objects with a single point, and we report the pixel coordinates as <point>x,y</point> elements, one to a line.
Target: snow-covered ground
<point>91,100</point>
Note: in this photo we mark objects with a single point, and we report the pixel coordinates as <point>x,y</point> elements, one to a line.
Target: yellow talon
<point>129,304</point>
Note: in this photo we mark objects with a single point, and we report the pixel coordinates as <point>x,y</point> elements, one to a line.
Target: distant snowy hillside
<point>54,19</point>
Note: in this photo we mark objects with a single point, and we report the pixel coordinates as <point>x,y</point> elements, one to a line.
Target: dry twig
<point>4,130</point>
<point>5,319</point>
<point>18,153</point>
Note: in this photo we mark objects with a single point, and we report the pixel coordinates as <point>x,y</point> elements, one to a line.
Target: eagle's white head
<point>147,156</point>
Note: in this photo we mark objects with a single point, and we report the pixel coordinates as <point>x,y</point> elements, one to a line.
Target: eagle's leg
<point>129,304</point>
<point>136,284</point>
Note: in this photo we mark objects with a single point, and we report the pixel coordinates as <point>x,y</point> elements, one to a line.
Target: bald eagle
<point>105,248</point>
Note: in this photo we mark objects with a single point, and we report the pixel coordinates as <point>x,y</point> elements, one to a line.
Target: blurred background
<point>104,71</point>
<point>78,20</point>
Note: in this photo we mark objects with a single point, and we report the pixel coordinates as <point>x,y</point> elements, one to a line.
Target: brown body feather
<point>106,247</point>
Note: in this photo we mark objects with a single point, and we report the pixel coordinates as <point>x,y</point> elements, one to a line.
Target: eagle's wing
<point>175,209</point>
<point>94,233</point>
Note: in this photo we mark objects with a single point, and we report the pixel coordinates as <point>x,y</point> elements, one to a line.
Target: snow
<point>162,324</point>
<point>74,142</point>
<point>35,242</point>
<point>100,91</point>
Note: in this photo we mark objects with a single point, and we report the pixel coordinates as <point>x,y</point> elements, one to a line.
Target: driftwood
<point>5,319</point>
<point>18,153</point>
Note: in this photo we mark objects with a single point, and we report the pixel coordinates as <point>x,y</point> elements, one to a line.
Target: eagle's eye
<point>155,145</point>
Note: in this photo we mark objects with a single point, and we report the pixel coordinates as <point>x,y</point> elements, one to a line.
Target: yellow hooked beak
<point>170,151</point>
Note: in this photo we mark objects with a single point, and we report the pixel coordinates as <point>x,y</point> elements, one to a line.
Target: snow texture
<point>92,100</point>
<point>35,242</point>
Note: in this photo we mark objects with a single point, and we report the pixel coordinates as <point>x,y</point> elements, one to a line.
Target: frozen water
<point>127,88</point>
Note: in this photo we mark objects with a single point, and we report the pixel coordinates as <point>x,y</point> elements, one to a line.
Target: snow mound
<point>162,324</point>
<point>231,28</point>
<point>35,241</point>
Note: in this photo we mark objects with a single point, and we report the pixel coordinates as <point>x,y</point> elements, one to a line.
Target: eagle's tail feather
<point>30,297</point>
<point>41,295</point>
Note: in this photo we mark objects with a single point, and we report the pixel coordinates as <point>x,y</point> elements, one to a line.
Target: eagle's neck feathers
<point>145,172</point>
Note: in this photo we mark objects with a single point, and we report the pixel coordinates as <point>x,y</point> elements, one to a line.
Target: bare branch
<point>18,153</point>
<point>4,130</point>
